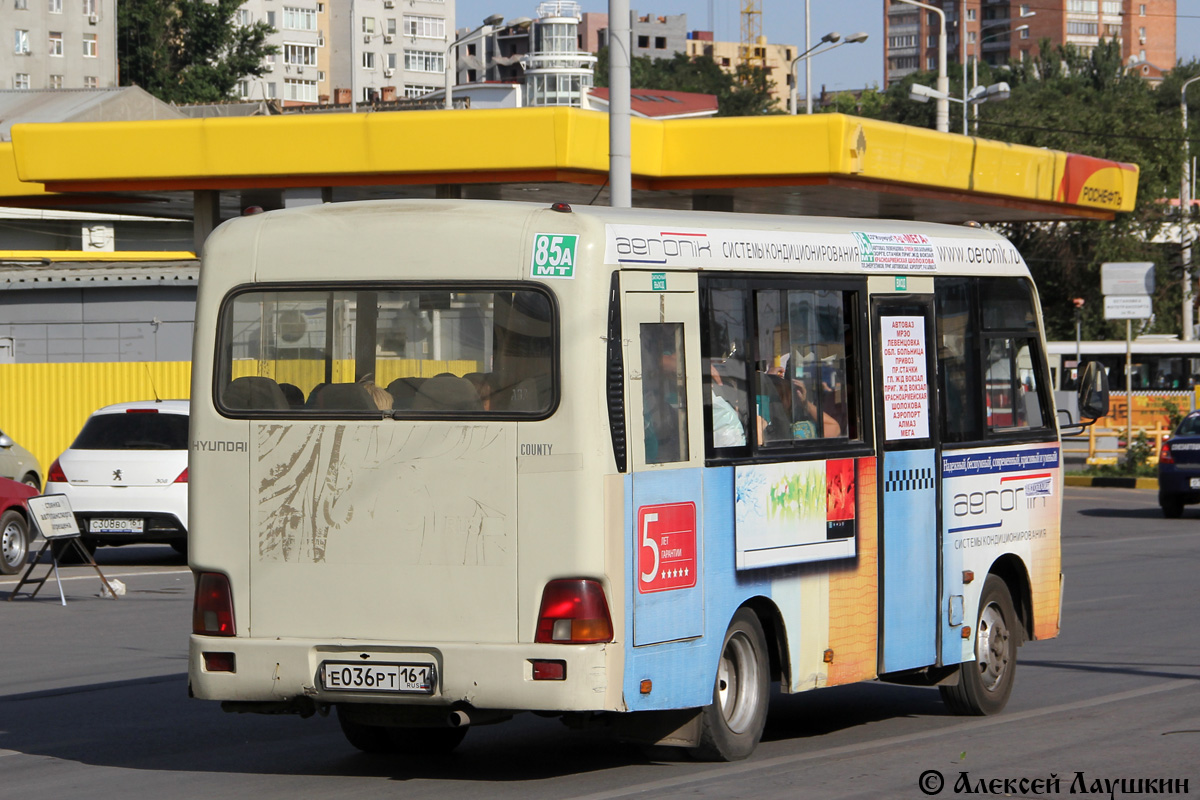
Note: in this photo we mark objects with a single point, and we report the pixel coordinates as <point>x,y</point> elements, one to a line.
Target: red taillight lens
<point>220,662</point>
<point>182,476</point>
<point>574,611</point>
<point>212,610</point>
<point>1164,455</point>
<point>141,411</point>
<point>56,474</point>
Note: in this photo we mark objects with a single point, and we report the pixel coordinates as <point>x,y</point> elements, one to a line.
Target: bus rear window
<point>412,352</point>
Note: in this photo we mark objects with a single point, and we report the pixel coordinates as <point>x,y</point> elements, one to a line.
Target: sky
<point>851,66</point>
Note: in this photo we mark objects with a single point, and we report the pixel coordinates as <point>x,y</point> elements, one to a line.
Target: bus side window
<point>664,392</point>
<point>728,394</point>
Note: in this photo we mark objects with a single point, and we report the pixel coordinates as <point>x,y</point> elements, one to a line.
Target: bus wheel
<point>985,683</point>
<point>384,739</point>
<point>732,724</point>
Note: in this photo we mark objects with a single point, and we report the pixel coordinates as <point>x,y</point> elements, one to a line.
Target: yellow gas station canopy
<point>821,164</point>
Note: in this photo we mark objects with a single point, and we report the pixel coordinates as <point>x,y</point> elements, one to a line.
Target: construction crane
<point>753,47</point>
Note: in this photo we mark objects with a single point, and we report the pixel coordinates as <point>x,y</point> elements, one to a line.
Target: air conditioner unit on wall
<point>387,73</point>
<point>388,38</point>
<point>269,67</point>
<point>93,19</point>
<point>388,4</point>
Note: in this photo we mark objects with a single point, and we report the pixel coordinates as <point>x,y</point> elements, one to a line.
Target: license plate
<point>403,678</point>
<point>115,525</point>
<point>1195,483</point>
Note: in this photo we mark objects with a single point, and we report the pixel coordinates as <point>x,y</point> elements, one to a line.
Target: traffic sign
<point>1128,306</point>
<point>1127,277</point>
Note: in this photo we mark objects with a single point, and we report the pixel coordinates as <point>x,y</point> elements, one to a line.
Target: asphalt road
<point>93,704</point>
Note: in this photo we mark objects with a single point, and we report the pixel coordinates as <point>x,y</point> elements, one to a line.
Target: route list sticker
<point>905,383</point>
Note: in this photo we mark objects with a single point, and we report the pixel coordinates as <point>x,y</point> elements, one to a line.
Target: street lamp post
<point>943,81</point>
<point>853,38</point>
<point>1185,196</point>
<point>452,58</point>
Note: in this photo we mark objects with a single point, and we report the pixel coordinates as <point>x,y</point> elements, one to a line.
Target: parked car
<point>16,531</point>
<point>125,475</point>
<point>1179,467</point>
<point>18,464</point>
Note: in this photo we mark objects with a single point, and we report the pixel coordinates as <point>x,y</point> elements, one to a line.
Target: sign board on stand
<point>51,514</point>
<point>1127,286</point>
<point>1127,306</point>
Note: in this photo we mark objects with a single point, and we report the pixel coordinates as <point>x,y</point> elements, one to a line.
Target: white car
<point>125,475</point>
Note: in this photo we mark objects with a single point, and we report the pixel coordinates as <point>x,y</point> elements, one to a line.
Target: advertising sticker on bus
<point>666,547</point>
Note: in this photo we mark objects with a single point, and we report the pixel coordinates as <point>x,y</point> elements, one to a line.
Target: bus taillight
<point>574,611</point>
<point>212,610</point>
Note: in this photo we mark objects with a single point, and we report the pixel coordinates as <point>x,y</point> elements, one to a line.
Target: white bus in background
<point>456,460</point>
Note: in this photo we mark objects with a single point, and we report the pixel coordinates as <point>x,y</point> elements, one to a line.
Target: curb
<point>1111,483</point>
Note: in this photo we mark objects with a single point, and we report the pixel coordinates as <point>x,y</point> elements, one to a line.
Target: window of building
<point>908,40</point>
<point>1083,6</point>
<point>272,90</point>
<point>425,27</point>
<point>302,91</point>
<point>1025,10</point>
<point>54,6</point>
<point>643,42</point>
<point>1077,28</point>
<point>91,7</point>
<point>244,17</point>
<point>970,15</point>
<point>1142,34</point>
<point>243,89</point>
<point>391,60</point>
<point>1025,33</point>
<point>55,47</point>
<point>424,61</point>
<point>55,82</point>
<point>21,42</point>
<point>368,60</point>
<point>91,82</point>
<point>417,90</point>
<point>368,24</point>
<point>301,55</point>
<point>391,25</point>
<point>21,5</point>
<point>21,80</point>
<point>660,43</point>
<point>1142,10</point>
<point>299,19</point>
<point>1112,7</point>
<point>931,62</point>
<point>271,18</point>
<point>89,45</point>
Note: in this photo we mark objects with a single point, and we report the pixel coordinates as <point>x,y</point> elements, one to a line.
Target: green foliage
<point>744,93</point>
<point>188,51</point>
<point>867,103</point>
<point>1175,412</point>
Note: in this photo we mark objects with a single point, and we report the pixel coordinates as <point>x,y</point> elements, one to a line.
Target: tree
<point>746,93</point>
<point>188,51</point>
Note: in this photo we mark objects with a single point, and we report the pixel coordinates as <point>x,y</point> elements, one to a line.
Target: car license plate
<point>404,678</point>
<point>115,525</point>
<point>1194,483</point>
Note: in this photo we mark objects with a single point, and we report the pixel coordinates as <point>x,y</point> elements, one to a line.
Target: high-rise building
<point>58,44</point>
<point>999,31</point>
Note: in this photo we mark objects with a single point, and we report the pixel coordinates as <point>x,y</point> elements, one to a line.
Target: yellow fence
<point>1105,445</point>
<point>43,406</point>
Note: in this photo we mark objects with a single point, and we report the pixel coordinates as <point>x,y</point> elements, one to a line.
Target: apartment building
<point>389,49</point>
<point>58,44</point>
<point>775,58</point>
<point>999,31</point>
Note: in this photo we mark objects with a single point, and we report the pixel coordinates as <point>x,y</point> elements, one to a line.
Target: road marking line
<point>94,576</point>
<point>731,770</point>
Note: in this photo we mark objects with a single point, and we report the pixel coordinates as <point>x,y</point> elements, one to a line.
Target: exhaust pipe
<point>459,719</point>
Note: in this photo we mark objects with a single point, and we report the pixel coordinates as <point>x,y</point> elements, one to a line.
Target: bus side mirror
<point>1093,392</point>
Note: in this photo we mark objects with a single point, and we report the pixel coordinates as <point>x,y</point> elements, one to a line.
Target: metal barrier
<point>1103,445</point>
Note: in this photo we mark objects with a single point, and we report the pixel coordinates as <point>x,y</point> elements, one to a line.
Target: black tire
<point>732,725</point>
<point>385,740</point>
<point>31,479</point>
<point>14,542</point>
<point>984,685</point>
<point>1172,505</point>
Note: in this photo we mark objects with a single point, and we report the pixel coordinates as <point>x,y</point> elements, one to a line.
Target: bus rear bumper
<point>282,676</point>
